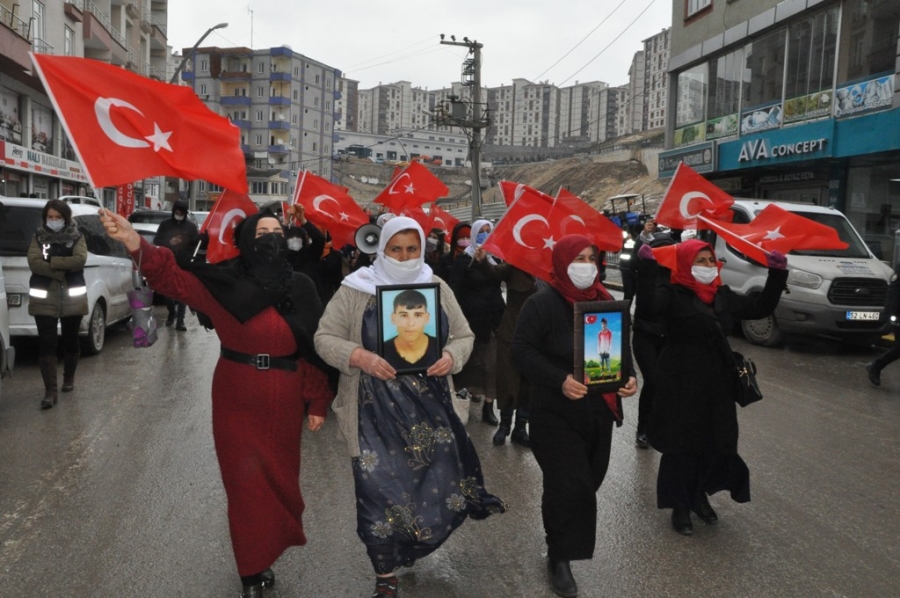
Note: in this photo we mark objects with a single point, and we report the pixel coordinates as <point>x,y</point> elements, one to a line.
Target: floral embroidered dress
<point>418,476</point>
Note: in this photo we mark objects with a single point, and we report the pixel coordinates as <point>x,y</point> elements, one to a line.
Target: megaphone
<point>366,238</point>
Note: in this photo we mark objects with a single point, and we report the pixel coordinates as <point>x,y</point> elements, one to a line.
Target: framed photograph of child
<point>603,344</point>
<point>408,324</point>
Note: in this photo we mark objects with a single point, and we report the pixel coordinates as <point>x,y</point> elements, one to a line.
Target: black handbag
<point>747,388</point>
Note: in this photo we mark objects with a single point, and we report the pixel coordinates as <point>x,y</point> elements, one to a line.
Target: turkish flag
<point>587,221</point>
<point>511,191</point>
<point>229,210</point>
<point>418,214</point>
<point>441,219</point>
<point>413,186</point>
<point>775,228</point>
<point>688,195</point>
<point>330,206</point>
<point>125,127</point>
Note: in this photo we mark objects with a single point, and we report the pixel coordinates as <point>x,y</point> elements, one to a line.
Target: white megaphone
<point>366,238</point>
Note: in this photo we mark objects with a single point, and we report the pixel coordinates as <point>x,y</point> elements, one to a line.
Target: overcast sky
<point>386,41</point>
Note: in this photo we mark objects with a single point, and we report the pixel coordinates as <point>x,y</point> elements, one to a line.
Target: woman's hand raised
<point>120,229</point>
<point>372,364</point>
<point>573,389</point>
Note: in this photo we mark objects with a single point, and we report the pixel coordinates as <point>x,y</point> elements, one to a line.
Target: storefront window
<point>41,128</point>
<point>10,122</point>
<point>810,67</point>
<point>691,105</point>
<point>764,70</point>
<point>873,206</point>
<point>724,97</point>
<point>869,34</point>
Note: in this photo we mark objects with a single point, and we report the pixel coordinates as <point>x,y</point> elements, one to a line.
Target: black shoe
<point>487,414</point>
<point>874,374</point>
<point>254,591</point>
<point>170,320</point>
<point>520,436</point>
<point>681,521</point>
<point>180,326</point>
<point>561,580</point>
<point>500,436</point>
<point>268,578</point>
<point>705,511</point>
<point>641,441</point>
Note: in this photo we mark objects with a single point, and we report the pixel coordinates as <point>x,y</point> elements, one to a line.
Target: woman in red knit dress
<point>267,379</point>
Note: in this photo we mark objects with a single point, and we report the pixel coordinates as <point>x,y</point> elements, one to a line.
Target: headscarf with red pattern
<point>685,253</point>
<point>564,253</point>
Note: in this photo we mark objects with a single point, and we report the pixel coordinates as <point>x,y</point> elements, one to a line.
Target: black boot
<point>520,434</point>
<point>505,427</point>
<point>268,578</point>
<point>487,414</point>
<point>70,362</point>
<point>561,580</point>
<point>681,521</point>
<point>705,511</point>
<point>179,325</point>
<point>874,373</point>
<point>48,373</point>
<point>252,591</point>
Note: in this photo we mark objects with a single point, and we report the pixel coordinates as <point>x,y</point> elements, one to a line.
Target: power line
<point>354,67</point>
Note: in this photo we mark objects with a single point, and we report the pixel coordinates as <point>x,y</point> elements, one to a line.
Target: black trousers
<point>176,308</point>
<point>47,337</point>
<point>573,454</point>
<point>890,356</point>
<point>646,348</point>
<point>629,283</point>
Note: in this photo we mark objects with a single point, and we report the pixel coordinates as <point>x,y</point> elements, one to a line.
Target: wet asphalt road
<point>116,493</point>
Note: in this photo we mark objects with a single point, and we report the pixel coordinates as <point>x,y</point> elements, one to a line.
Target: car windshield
<point>17,228</point>
<point>149,217</point>
<point>856,248</point>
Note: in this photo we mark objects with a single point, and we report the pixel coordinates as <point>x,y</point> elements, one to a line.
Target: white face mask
<point>295,243</point>
<point>402,271</point>
<point>703,274</point>
<point>582,275</point>
<point>179,217</point>
<point>56,225</point>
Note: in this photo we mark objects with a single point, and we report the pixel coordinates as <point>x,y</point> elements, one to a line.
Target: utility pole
<point>458,115</point>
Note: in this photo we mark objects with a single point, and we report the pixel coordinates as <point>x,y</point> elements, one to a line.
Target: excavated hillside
<point>585,176</point>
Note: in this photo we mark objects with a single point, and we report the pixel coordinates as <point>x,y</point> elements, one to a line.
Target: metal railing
<point>159,23</point>
<point>79,4</point>
<point>15,23</point>
<point>41,47</point>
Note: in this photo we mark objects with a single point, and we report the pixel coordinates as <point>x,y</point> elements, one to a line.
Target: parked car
<point>82,199</point>
<point>839,293</point>
<point>156,216</point>
<point>200,218</point>
<point>108,271</point>
<point>7,352</point>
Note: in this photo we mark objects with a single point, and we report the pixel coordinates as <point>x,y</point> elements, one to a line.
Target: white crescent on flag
<point>517,229</point>
<point>102,107</point>
<point>317,203</point>
<point>684,206</point>
<point>409,187</point>
<point>226,220</point>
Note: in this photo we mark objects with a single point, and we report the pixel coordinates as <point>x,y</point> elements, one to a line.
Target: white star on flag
<point>344,216</point>
<point>773,235</point>
<point>549,243</point>
<point>410,188</point>
<point>159,139</point>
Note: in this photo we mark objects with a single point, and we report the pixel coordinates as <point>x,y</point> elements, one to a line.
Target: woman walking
<point>267,380</point>
<point>416,473</point>
<point>571,424</point>
<point>57,294</point>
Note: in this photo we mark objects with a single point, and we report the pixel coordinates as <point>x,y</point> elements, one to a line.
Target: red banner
<point>125,200</point>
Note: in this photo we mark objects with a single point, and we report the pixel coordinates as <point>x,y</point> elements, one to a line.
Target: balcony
<point>14,45</point>
<point>282,125</point>
<point>74,10</point>
<point>158,37</point>
<point>279,76</point>
<point>279,149</point>
<point>242,124</point>
<point>41,47</point>
<point>236,75</point>
<point>281,51</point>
<point>236,101</point>
<point>279,101</point>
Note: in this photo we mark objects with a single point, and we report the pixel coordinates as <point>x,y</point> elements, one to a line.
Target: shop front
<point>28,171</point>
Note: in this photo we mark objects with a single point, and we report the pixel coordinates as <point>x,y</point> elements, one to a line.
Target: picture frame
<point>603,325</point>
<point>409,334</point>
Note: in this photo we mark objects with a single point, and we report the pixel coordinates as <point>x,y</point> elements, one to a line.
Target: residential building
<point>656,66</point>
<point>636,104</point>
<point>284,104</point>
<point>37,156</point>
<point>791,100</point>
<point>575,111</point>
<point>604,111</point>
<point>440,148</point>
<point>624,115</point>
<point>346,107</point>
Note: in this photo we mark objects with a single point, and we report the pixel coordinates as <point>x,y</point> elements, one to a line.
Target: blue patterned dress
<point>418,476</point>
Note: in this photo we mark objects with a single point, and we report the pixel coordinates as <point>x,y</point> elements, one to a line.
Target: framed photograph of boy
<point>408,325</point>
<point>602,344</point>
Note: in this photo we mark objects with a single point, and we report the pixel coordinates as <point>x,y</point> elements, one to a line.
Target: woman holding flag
<point>267,380</point>
<point>694,420</point>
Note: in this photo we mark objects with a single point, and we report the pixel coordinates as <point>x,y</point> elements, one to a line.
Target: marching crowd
<point>302,327</point>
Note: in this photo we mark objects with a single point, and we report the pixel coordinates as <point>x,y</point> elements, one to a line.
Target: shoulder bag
<point>747,388</point>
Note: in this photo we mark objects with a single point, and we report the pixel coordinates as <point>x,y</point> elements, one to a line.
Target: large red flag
<point>585,220</point>
<point>775,228</point>
<point>341,219</point>
<point>688,195</point>
<point>413,186</point>
<point>441,219</point>
<point>228,211</point>
<point>418,214</point>
<point>511,191</point>
<point>125,127</point>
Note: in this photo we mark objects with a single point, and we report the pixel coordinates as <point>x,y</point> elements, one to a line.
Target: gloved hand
<point>776,260</point>
<point>646,253</point>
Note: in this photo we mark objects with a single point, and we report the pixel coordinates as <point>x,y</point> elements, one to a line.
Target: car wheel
<point>93,343</point>
<point>764,332</point>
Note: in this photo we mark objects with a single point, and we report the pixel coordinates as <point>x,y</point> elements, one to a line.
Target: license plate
<point>14,299</point>
<point>863,315</point>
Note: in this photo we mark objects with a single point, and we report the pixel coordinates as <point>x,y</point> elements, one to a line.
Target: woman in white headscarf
<point>416,472</point>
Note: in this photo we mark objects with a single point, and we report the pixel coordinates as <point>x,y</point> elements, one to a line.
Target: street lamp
<point>194,49</point>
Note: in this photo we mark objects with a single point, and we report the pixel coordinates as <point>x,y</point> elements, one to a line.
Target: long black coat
<point>477,289</point>
<point>694,408</point>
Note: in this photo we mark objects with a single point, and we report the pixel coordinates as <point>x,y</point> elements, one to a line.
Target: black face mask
<point>270,248</point>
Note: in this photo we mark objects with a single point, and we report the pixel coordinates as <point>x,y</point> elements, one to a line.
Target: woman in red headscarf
<point>571,425</point>
<point>694,421</point>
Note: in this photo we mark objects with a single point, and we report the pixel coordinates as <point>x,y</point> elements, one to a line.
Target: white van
<point>839,293</point>
<point>107,271</point>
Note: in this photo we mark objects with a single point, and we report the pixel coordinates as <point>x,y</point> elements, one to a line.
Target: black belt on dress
<point>262,361</point>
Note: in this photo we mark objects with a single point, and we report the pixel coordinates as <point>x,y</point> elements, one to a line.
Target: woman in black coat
<point>694,422</point>
<point>571,425</point>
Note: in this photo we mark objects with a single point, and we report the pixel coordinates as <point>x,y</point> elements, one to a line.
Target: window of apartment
<point>318,78</point>
<point>810,67</point>
<point>315,101</point>
<point>204,66</point>
<point>259,140</point>
<point>691,104</point>
<point>69,49</point>
<point>37,20</point>
<point>296,71</point>
<point>260,67</point>
<point>260,92</point>
<point>294,119</point>
<point>870,32</point>
<point>694,6</point>
<point>764,70</point>
<point>315,146</point>
<point>296,94</point>
<point>327,104</point>
<point>259,187</point>
<point>724,94</point>
<point>259,116</point>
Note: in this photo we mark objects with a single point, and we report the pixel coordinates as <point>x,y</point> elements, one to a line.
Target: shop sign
<point>787,177</point>
<point>762,149</point>
<point>724,126</point>
<point>800,142</point>
<point>761,119</point>
<point>808,107</point>
<point>125,200</point>
<point>700,157</point>
<point>862,98</point>
<point>690,134</point>
<point>37,162</point>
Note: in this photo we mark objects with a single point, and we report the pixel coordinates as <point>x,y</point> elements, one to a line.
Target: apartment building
<point>791,100</point>
<point>656,66</point>
<point>284,104</point>
<point>346,106</point>
<point>575,111</point>
<point>636,104</point>
<point>37,157</point>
